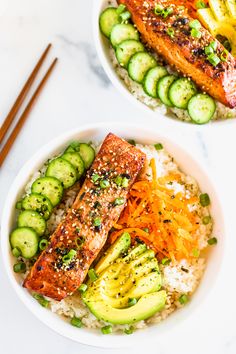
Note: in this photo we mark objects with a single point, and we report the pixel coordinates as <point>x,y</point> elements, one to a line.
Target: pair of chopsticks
<point>18,103</point>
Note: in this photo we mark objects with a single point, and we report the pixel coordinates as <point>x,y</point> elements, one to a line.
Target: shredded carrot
<point>161,218</point>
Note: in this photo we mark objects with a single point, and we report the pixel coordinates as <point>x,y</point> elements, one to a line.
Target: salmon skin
<point>86,225</point>
<point>181,50</point>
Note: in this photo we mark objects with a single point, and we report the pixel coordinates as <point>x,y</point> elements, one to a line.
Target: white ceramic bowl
<point>102,46</point>
<point>189,165</point>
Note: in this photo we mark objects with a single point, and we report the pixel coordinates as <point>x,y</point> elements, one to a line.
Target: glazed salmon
<point>171,38</point>
<point>84,230</point>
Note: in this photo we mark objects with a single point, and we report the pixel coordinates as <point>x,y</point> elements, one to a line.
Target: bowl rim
<point>87,337</point>
<point>116,82</point>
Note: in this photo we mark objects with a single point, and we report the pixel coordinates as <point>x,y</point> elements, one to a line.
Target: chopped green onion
<point>165,261</point>
<point>83,288</point>
<point>206,220</point>
<point>79,241</point>
<point>170,32</point>
<point>166,12</point>
<point>213,45</point>
<point>104,184</point>
<point>118,180</point>
<point>125,182</point>
<point>209,50</point>
<point>19,267</point>
<point>125,16</point>
<point>214,59</point>
<point>196,33</point>
<point>95,177</point>
<point>132,301</point>
<point>196,252</point>
<point>16,252</point>
<point>119,201</point>
<point>43,244</point>
<point>158,9</point>
<point>212,241</point>
<point>195,24</point>
<point>227,45</point>
<point>106,329</point>
<point>69,256</point>
<point>19,205</point>
<point>146,229</point>
<point>92,274</point>
<point>200,4</point>
<point>121,8</point>
<point>132,142</point>
<point>158,146</point>
<point>41,300</point>
<point>97,222</point>
<point>204,199</point>
<point>129,330</point>
<point>76,322</point>
<point>183,299</point>
<point>224,55</point>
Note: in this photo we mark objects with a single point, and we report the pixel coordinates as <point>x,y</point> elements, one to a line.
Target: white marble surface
<point>79,92</point>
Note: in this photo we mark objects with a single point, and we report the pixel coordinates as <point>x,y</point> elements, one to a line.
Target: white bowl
<point>102,45</point>
<point>189,165</point>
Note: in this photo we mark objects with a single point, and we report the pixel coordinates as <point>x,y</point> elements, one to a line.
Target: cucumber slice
<point>163,86</point>
<point>62,170</point>
<point>49,187</point>
<point>201,108</point>
<point>87,153</point>
<point>181,91</point>
<point>139,64</point>
<point>39,203</point>
<point>107,20</point>
<point>126,49</point>
<point>151,79</point>
<point>121,32</point>
<point>76,160</point>
<point>30,218</point>
<point>26,239</point>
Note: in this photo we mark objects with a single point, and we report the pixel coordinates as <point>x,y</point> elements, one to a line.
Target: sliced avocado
<point>146,307</point>
<point>123,278</point>
<point>120,246</point>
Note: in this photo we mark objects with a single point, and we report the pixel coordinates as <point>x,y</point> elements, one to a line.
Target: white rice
<point>222,112</point>
<point>178,278</point>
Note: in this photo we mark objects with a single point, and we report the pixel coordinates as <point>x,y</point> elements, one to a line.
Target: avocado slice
<point>120,279</point>
<point>146,307</point>
<point>120,246</point>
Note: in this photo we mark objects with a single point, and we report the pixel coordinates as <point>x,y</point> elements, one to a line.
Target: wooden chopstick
<point>15,108</point>
<point>24,115</point>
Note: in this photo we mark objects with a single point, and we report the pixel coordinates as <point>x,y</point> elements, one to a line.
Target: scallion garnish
<point>183,299</point>
<point>69,256</point>
<point>83,288</point>
<point>129,330</point>
<point>41,300</point>
<point>106,329</point>
<point>196,33</point>
<point>43,244</point>
<point>224,55</point>
<point>206,220</point>
<point>76,322</point>
<point>200,4</point>
<point>158,146</point>
<point>195,24</point>
<point>16,252</point>
<point>92,274</point>
<point>132,301</point>
<point>97,221</point>
<point>104,184</point>
<point>170,31</point>
<point>119,201</point>
<point>204,199</point>
<point>212,241</point>
<point>125,16</point>
<point>95,177</point>
<point>125,182</point>
<point>196,252</point>
<point>132,142</point>
<point>165,261</point>
<point>19,267</point>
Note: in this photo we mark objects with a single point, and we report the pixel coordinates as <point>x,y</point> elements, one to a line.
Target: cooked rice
<point>178,278</point>
<point>222,112</point>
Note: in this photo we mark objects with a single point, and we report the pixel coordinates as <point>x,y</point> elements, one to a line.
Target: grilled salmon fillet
<point>84,230</point>
<point>181,50</point>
